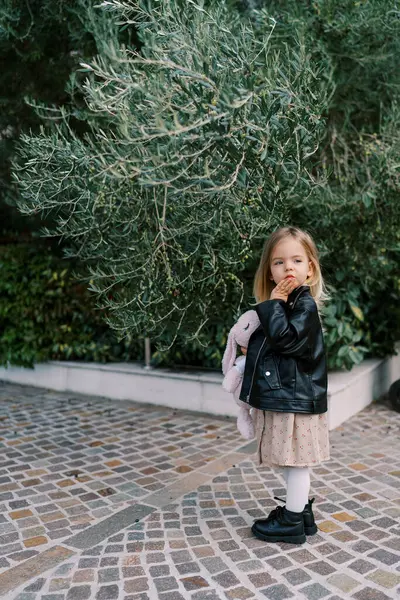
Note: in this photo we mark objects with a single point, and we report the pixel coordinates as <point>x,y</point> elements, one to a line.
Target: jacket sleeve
<point>287,335</point>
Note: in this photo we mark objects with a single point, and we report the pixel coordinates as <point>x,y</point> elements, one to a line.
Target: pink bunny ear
<point>230,353</point>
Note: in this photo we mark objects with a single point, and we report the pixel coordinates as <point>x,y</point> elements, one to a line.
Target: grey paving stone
<point>226,579</point>
<point>107,592</point>
<point>9,538</point>
<point>171,596</point>
<point>193,530</point>
<point>88,563</point>
<point>10,549</point>
<point>327,548</point>
<point>155,557</point>
<point>362,546</point>
<point>159,570</point>
<point>277,592</point>
<point>321,567</point>
<point>185,568</point>
<point>96,551</point>
<point>7,528</point>
<point>249,565</point>
<point>181,556</point>
<point>340,557</point>
<point>393,544</point>
<point>63,569</point>
<point>165,583</point>
<point>344,582</point>
<point>79,592</point>
<point>59,584</point>
<point>369,593</point>
<point>297,576</point>
<point>302,556</point>
<point>213,564</point>
<point>24,555</point>
<point>109,561</point>
<point>366,513</point>
<point>358,525</point>
<point>315,540</point>
<point>327,507</point>
<point>206,595</point>
<point>280,562</point>
<point>128,572</point>
<point>139,584</point>
<point>314,591</point>
<point>36,586</point>
<point>108,575</point>
<point>388,558</point>
<point>350,505</point>
<point>375,534</point>
<point>228,545</point>
<point>262,579</point>
<point>238,555</point>
<point>361,566</point>
<point>117,538</point>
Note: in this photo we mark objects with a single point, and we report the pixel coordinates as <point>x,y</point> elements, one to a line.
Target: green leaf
<point>357,312</point>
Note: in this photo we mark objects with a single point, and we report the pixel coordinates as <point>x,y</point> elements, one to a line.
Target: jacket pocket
<point>271,372</point>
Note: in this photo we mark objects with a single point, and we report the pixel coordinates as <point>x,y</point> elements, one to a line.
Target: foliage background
<point>45,313</point>
<point>345,192</point>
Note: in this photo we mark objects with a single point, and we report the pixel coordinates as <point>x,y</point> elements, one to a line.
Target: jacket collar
<point>293,296</point>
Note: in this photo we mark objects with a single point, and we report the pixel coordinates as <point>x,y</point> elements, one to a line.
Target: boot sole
<point>311,530</point>
<point>293,539</point>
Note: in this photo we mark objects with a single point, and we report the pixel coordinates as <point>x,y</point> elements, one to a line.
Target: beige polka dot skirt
<point>291,439</point>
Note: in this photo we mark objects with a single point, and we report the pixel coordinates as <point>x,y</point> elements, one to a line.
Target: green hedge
<point>46,314</point>
<point>340,90</point>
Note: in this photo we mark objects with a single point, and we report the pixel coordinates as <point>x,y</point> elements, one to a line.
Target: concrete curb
<point>348,392</point>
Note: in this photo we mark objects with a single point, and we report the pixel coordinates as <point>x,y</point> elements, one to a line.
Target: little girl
<point>285,378</point>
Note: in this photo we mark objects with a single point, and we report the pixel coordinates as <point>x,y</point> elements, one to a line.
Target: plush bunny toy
<point>233,368</point>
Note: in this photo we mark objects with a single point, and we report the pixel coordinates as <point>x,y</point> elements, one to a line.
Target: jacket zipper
<point>254,371</point>
<point>261,347</point>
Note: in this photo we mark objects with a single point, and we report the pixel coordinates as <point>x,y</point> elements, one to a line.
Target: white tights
<point>298,487</point>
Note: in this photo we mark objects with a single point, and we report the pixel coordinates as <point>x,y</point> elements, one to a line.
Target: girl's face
<point>289,260</point>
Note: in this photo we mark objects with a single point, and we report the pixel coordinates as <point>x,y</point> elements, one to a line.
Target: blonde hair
<point>263,285</point>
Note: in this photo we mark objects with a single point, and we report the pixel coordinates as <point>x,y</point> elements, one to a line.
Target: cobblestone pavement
<point>115,500</point>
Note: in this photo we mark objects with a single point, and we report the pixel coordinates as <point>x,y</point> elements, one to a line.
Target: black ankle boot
<point>285,526</point>
<point>310,527</point>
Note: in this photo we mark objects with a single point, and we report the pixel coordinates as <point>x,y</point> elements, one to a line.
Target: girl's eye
<point>298,260</point>
<point>279,262</point>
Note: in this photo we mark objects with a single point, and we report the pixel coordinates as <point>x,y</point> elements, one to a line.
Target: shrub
<point>222,126</point>
<point>46,314</point>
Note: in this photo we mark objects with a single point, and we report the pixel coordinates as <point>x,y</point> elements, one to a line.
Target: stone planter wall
<point>348,392</point>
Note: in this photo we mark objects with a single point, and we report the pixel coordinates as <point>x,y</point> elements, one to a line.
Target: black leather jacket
<point>285,363</point>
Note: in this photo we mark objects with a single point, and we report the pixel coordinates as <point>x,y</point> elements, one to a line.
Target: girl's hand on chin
<point>283,289</point>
